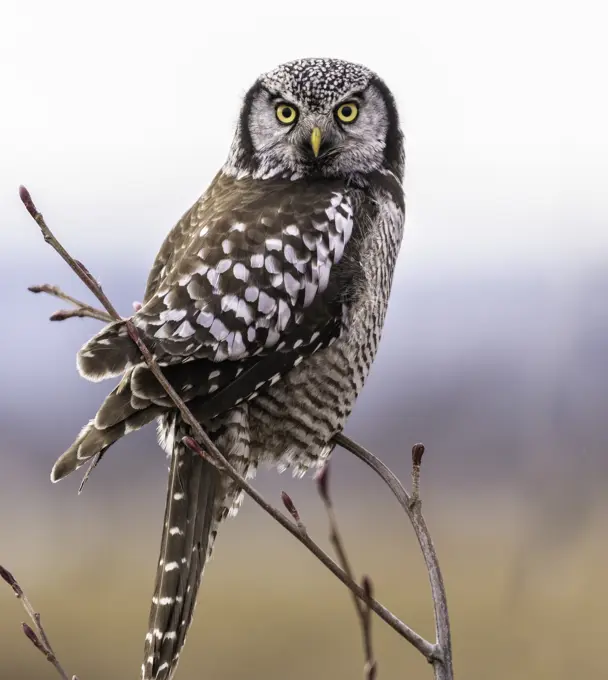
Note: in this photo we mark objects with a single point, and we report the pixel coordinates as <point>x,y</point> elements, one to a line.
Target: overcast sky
<point>117,114</point>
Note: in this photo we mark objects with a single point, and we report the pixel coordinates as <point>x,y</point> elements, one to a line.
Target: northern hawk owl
<point>264,308</point>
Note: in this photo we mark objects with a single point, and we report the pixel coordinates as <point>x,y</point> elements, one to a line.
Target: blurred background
<point>116,116</point>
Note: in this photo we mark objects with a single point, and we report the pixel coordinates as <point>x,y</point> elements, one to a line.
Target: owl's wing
<point>171,250</point>
<point>178,239</point>
<point>210,388</point>
<point>258,274</point>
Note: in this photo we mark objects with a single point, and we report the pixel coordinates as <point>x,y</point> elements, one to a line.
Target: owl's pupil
<point>347,111</point>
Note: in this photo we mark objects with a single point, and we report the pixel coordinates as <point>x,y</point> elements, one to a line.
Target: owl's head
<point>317,117</point>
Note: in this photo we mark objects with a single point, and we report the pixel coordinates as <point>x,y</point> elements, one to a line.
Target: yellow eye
<point>286,114</point>
<point>347,113</point>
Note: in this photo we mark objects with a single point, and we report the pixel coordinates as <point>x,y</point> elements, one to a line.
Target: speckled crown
<point>317,81</point>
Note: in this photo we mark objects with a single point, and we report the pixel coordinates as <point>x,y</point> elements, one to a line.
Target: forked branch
<point>438,654</point>
<point>80,309</point>
<point>36,635</point>
<point>412,505</point>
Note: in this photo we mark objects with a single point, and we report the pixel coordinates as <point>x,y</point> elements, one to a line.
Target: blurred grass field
<point>520,607</point>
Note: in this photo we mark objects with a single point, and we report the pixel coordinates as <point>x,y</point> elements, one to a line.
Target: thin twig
<point>37,635</point>
<point>423,646</point>
<point>77,313</point>
<point>371,665</point>
<point>441,658</point>
<point>338,545</point>
<point>81,309</point>
<point>77,267</point>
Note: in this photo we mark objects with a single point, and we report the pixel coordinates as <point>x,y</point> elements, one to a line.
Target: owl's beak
<point>315,140</point>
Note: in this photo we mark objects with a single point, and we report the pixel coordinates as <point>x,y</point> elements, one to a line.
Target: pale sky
<point>117,114</point>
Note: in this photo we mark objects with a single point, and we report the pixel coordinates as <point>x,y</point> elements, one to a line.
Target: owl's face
<point>317,117</point>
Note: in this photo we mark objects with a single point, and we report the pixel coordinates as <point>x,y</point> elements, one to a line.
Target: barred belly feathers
<point>264,308</point>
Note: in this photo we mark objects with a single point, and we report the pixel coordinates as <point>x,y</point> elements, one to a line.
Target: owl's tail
<point>198,498</point>
<point>192,511</point>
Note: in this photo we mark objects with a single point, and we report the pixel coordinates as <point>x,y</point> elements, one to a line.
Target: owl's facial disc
<point>317,117</point>
<point>290,137</point>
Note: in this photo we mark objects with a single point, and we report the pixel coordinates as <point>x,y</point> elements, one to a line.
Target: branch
<point>442,656</point>
<point>296,530</point>
<point>438,654</point>
<point>81,309</point>
<point>371,667</point>
<point>37,635</point>
<point>293,511</point>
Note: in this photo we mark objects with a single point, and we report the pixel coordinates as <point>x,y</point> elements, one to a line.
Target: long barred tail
<point>198,499</point>
<point>190,513</point>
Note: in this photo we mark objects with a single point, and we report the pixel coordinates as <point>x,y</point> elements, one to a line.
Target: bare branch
<point>422,645</point>
<point>335,538</point>
<point>77,267</point>
<point>37,635</point>
<point>78,313</point>
<point>82,309</point>
<point>441,658</point>
<point>371,665</point>
<point>440,653</point>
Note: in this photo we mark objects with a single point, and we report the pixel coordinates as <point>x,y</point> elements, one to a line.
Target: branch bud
<point>11,580</point>
<point>290,506</point>
<point>368,587</point>
<point>322,480</point>
<point>33,638</point>
<point>417,453</point>
<point>26,199</point>
<point>193,444</point>
<point>63,314</point>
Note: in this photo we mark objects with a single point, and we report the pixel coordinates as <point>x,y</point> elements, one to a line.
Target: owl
<point>264,308</point>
